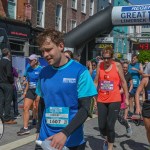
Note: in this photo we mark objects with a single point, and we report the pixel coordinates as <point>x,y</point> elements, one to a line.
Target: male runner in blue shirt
<point>67,88</point>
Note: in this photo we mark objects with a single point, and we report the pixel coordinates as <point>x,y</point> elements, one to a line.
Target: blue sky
<point>136,2</point>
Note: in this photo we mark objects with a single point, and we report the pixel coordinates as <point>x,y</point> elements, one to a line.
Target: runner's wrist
<point>65,133</point>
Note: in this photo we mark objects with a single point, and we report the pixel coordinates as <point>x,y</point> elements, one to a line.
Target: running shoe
<point>130,114</point>
<point>105,145</point>
<point>17,116</point>
<point>129,130</point>
<point>23,131</point>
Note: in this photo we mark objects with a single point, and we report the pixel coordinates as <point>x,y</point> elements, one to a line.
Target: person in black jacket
<point>6,87</point>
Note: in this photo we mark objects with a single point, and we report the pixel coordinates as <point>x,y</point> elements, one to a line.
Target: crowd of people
<point>61,94</point>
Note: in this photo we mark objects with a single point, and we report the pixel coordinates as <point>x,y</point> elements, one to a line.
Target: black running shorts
<point>31,94</point>
<point>146,109</point>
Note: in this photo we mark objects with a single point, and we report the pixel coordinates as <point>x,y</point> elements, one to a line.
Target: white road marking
<point>18,143</point>
<point>24,141</point>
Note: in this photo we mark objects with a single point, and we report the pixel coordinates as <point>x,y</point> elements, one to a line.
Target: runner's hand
<point>138,111</point>
<point>24,94</point>
<point>134,69</point>
<point>58,140</point>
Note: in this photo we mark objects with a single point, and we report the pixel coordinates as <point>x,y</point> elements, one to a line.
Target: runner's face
<point>125,68</point>
<point>51,52</point>
<point>93,66</point>
<point>107,59</point>
<point>33,63</point>
<point>67,55</point>
<point>134,60</point>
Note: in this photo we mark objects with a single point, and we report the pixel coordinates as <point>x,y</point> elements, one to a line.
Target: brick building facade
<point>27,18</point>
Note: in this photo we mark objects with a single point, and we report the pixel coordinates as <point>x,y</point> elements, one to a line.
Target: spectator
<point>6,88</point>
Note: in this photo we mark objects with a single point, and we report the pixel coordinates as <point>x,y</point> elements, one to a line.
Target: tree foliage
<point>143,56</point>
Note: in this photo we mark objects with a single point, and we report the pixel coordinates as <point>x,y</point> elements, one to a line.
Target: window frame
<point>83,5</point>
<point>91,12</point>
<point>42,22</point>
<point>15,9</point>
<point>59,17</point>
<point>71,21</point>
<point>75,4</point>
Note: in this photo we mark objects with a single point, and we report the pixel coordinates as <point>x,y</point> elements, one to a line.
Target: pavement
<point>138,141</point>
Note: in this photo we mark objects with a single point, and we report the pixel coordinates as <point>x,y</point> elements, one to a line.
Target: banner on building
<point>131,15</point>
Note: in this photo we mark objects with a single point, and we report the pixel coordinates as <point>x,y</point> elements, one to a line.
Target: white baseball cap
<point>33,56</point>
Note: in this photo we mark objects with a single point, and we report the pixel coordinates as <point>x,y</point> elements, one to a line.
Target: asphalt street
<point>138,140</point>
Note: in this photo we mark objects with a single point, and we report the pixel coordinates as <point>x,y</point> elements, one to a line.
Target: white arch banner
<point>131,15</point>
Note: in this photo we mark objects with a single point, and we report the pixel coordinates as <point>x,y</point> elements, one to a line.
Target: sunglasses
<point>94,65</point>
<point>30,60</point>
<point>104,58</point>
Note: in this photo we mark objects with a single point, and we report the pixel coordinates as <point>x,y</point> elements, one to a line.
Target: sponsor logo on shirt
<point>36,72</point>
<point>69,80</point>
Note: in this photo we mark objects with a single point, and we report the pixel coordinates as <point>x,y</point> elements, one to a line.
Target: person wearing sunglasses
<point>108,79</point>
<point>94,66</point>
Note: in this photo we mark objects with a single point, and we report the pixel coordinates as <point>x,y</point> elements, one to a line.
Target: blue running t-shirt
<point>32,76</point>
<point>135,75</point>
<point>61,88</point>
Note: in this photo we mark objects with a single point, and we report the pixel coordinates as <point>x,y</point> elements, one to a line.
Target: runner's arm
<point>137,95</point>
<point>131,85</point>
<point>140,71</point>
<point>123,82</point>
<point>86,91</point>
<point>80,117</point>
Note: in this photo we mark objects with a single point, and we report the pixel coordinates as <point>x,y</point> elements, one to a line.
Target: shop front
<point>18,34</point>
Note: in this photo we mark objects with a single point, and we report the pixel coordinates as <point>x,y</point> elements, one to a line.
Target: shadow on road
<point>133,145</point>
<point>120,136</point>
<point>96,128</point>
<point>94,143</point>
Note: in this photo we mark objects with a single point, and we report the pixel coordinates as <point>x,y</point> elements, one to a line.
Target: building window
<point>91,7</point>
<point>58,19</point>
<point>146,26</point>
<point>40,13</point>
<point>12,8</point>
<point>74,4</point>
<point>73,24</point>
<point>83,6</point>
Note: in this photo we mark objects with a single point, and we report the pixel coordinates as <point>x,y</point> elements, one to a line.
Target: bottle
<point>46,145</point>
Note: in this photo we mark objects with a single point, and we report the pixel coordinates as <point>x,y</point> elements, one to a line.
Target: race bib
<point>135,81</point>
<point>107,85</point>
<point>57,116</point>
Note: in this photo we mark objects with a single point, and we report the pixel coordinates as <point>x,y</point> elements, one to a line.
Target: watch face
<point>141,46</point>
